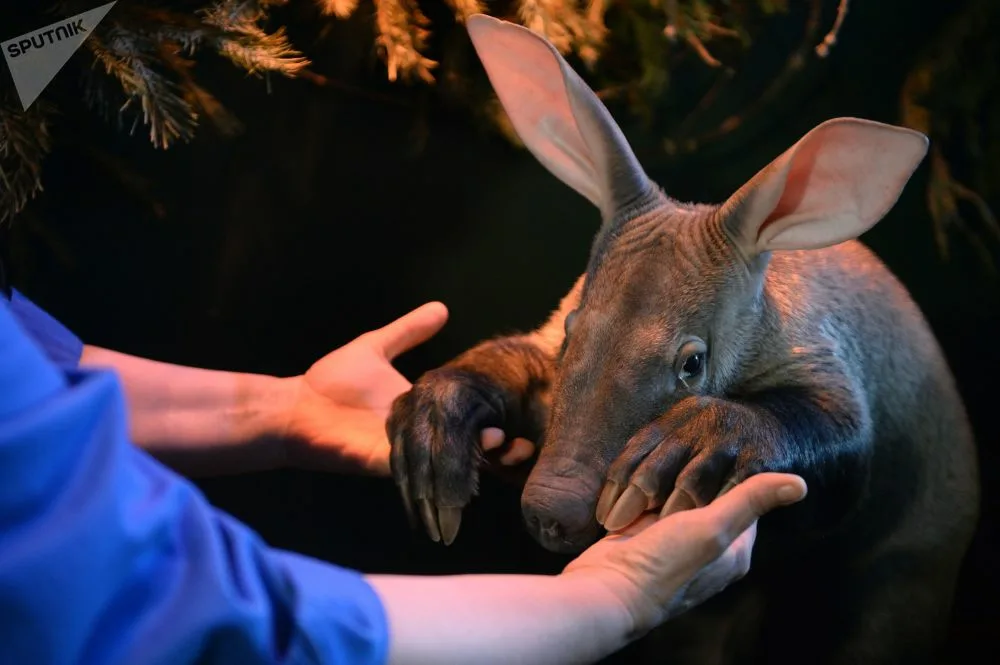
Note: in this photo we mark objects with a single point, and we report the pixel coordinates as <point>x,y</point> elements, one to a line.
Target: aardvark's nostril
<point>545,526</point>
<point>552,529</point>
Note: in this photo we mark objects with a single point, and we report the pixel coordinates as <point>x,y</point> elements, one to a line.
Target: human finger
<point>735,511</point>
<point>491,438</point>
<point>520,450</point>
<point>409,330</point>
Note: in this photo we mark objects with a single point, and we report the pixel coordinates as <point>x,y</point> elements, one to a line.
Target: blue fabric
<point>61,346</point>
<point>108,557</point>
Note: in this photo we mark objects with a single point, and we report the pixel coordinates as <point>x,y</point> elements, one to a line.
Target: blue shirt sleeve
<point>58,343</point>
<point>106,556</point>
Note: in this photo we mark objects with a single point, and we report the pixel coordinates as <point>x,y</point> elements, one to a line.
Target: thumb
<point>409,330</point>
<point>735,511</point>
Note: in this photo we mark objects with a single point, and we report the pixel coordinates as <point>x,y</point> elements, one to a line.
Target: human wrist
<point>613,622</point>
<point>264,414</point>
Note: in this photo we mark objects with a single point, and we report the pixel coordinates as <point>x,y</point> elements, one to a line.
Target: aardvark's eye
<point>693,365</point>
<point>691,360</point>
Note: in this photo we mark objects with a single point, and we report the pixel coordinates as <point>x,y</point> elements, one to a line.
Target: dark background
<point>323,221</point>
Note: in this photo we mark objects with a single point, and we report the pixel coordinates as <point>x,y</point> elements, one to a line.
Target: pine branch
<point>131,61</point>
<point>794,64</point>
<point>463,9</point>
<point>559,21</point>
<point>339,8</point>
<point>941,96</point>
<point>138,74</point>
<point>402,37</point>
<point>823,48</point>
<point>24,143</point>
<point>246,44</point>
<point>198,97</point>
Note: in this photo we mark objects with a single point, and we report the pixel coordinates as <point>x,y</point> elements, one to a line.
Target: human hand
<point>658,568</point>
<point>337,420</point>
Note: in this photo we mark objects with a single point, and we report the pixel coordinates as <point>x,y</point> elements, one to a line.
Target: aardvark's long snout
<point>559,504</point>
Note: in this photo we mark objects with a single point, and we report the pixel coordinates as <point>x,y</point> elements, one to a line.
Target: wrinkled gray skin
<point>813,360</point>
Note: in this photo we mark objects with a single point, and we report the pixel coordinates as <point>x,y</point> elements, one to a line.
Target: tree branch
<point>823,48</point>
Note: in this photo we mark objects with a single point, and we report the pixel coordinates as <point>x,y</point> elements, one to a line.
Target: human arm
<point>332,417</point>
<point>194,419</point>
<point>202,421</point>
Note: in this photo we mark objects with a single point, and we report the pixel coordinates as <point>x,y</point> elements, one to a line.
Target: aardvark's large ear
<point>559,118</point>
<point>837,182</point>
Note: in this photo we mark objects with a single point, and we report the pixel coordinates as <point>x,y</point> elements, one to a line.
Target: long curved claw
<point>449,519</point>
<point>404,489</point>
<point>609,496</point>
<point>627,509</point>
<point>679,501</point>
<point>437,449</point>
<point>430,519</point>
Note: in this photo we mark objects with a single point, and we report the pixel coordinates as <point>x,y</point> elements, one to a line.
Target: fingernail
<point>789,493</point>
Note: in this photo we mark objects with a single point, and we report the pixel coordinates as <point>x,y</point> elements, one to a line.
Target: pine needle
<point>339,8</point>
<point>246,44</point>
<point>402,36</point>
<point>463,9</point>
<point>163,107</point>
<point>24,143</point>
<point>559,21</point>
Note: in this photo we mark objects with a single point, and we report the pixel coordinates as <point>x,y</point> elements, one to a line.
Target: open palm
<point>338,421</point>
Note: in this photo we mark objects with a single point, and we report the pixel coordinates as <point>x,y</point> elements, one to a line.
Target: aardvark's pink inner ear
<point>557,116</point>
<point>837,182</point>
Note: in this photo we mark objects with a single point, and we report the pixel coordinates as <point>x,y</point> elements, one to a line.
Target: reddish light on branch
<point>823,48</point>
